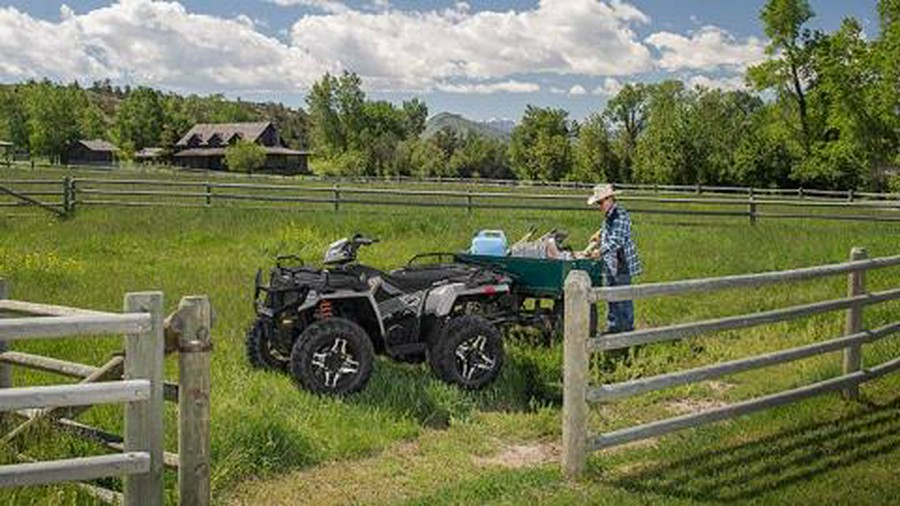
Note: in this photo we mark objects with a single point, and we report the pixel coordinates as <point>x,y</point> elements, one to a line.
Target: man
<point>618,253</point>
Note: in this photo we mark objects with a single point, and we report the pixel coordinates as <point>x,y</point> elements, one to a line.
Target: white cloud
<point>324,5</point>
<point>609,88</point>
<point>707,48</point>
<point>416,50</point>
<point>487,88</point>
<point>155,43</point>
<point>455,49</point>
<point>732,83</point>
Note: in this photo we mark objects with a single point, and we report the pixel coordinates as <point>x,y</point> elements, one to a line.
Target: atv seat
<point>420,278</point>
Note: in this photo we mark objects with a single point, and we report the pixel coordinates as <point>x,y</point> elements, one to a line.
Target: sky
<point>482,59</point>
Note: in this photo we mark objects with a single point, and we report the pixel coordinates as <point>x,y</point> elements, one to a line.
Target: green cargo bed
<point>537,277</point>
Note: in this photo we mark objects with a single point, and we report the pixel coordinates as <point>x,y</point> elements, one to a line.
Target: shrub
<point>244,156</point>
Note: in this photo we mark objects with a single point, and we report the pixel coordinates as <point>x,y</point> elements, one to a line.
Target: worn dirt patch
<point>685,406</point>
<point>518,456</point>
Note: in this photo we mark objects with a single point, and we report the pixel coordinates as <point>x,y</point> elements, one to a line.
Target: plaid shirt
<point>616,244</point>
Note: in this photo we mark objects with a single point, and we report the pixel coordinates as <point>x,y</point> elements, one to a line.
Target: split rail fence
<point>578,394</point>
<point>134,377</point>
<point>62,197</point>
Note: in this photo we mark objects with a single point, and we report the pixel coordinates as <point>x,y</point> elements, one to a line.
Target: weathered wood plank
<point>684,330</point>
<point>5,370</point>
<point>610,392</point>
<point>111,370</point>
<point>615,293</point>
<point>856,285</point>
<point>74,395</point>
<point>38,309</point>
<point>43,327</point>
<point>63,367</point>
<point>144,354</point>
<point>575,372</point>
<point>193,406</point>
<point>661,427</point>
<point>77,469</point>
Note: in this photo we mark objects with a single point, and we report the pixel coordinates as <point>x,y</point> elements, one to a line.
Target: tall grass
<point>262,424</point>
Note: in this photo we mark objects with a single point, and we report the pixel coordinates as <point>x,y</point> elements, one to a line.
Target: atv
<point>325,325</point>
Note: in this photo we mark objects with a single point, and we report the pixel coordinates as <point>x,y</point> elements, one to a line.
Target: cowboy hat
<point>601,191</point>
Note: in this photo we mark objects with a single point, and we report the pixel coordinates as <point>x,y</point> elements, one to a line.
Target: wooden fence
<point>577,393</point>
<point>135,378</point>
<point>70,193</point>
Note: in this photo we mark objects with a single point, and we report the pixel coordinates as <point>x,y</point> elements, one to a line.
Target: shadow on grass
<point>749,470</point>
<point>408,390</point>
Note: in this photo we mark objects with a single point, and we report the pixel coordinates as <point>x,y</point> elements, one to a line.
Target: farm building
<point>204,146</point>
<point>150,155</point>
<point>91,152</point>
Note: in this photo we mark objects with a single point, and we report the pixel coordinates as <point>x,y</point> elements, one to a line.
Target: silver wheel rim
<point>335,363</point>
<point>472,358</point>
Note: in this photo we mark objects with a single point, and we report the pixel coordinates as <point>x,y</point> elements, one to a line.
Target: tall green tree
<point>140,119</point>
<point>788,71</point>
<point>540,147</point>
<point>595,158</point>
<point>53,119</point>
<point>627,114</point>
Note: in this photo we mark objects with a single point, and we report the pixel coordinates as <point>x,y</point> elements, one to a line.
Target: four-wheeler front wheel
<point>261,350</point>
<point>332,356</point>
<point>468,353</point>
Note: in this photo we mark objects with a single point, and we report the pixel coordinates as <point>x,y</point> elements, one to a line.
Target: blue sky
<point>483,59</point>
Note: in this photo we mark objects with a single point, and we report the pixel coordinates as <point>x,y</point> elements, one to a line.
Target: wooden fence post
<point>752,209</point>
<point>469,200</point>
<point>856,285</point>
<point>209,194</point>
<point>337,197</point>
<point>193,400</point>
<point>575,371</point>
<point>144,420</point>
<point>5,369</point>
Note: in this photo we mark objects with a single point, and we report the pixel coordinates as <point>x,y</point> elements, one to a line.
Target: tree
<point>53,119</point>
<point>788,71</point>
<point>627,113</point>
<point>415,114</point>
<point>666,153</point>
<point>139,120</point>
<point>540,148</point>
<point>13,117</point>
<point>480,156</point>
<point>595,159</point>
<point>244,156</point>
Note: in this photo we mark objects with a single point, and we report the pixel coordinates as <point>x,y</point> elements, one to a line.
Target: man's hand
<point>595,253</point>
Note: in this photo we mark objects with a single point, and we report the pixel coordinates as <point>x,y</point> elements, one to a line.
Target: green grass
<point>409,438</point>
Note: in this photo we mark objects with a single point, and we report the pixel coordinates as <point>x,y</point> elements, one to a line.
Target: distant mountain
<point>502,124</point>
<point>497,129</point>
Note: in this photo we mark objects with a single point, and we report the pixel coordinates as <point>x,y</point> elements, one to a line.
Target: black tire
<point>468,353</point>
<point>333,356</point>
<point>261,352</point>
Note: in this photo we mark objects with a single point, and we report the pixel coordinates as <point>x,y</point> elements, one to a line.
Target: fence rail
<point>135,192</point>
<point>578,394</point>
<point>140,456</point>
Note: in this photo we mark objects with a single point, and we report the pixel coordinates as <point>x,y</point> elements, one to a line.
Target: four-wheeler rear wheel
<point>468,352</point>
<point>261,351</point>
<point>332,356</point>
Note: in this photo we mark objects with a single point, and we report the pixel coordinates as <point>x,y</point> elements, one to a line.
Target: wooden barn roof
<point>98,145</point>
<point>250,132</point>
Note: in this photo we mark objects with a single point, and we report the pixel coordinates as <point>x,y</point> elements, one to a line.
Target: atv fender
<point>441,299</point>
<point>366,298</point>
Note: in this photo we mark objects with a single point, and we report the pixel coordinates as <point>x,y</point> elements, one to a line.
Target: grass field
<point>410,439</point>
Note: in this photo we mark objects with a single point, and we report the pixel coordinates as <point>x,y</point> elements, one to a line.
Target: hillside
<point>463,126</point>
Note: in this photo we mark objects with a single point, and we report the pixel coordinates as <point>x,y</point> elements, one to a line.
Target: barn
<point>204,145</point>
<point>91,152</point>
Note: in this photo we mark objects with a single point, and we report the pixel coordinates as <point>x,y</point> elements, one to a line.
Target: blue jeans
<point>620,317</point>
